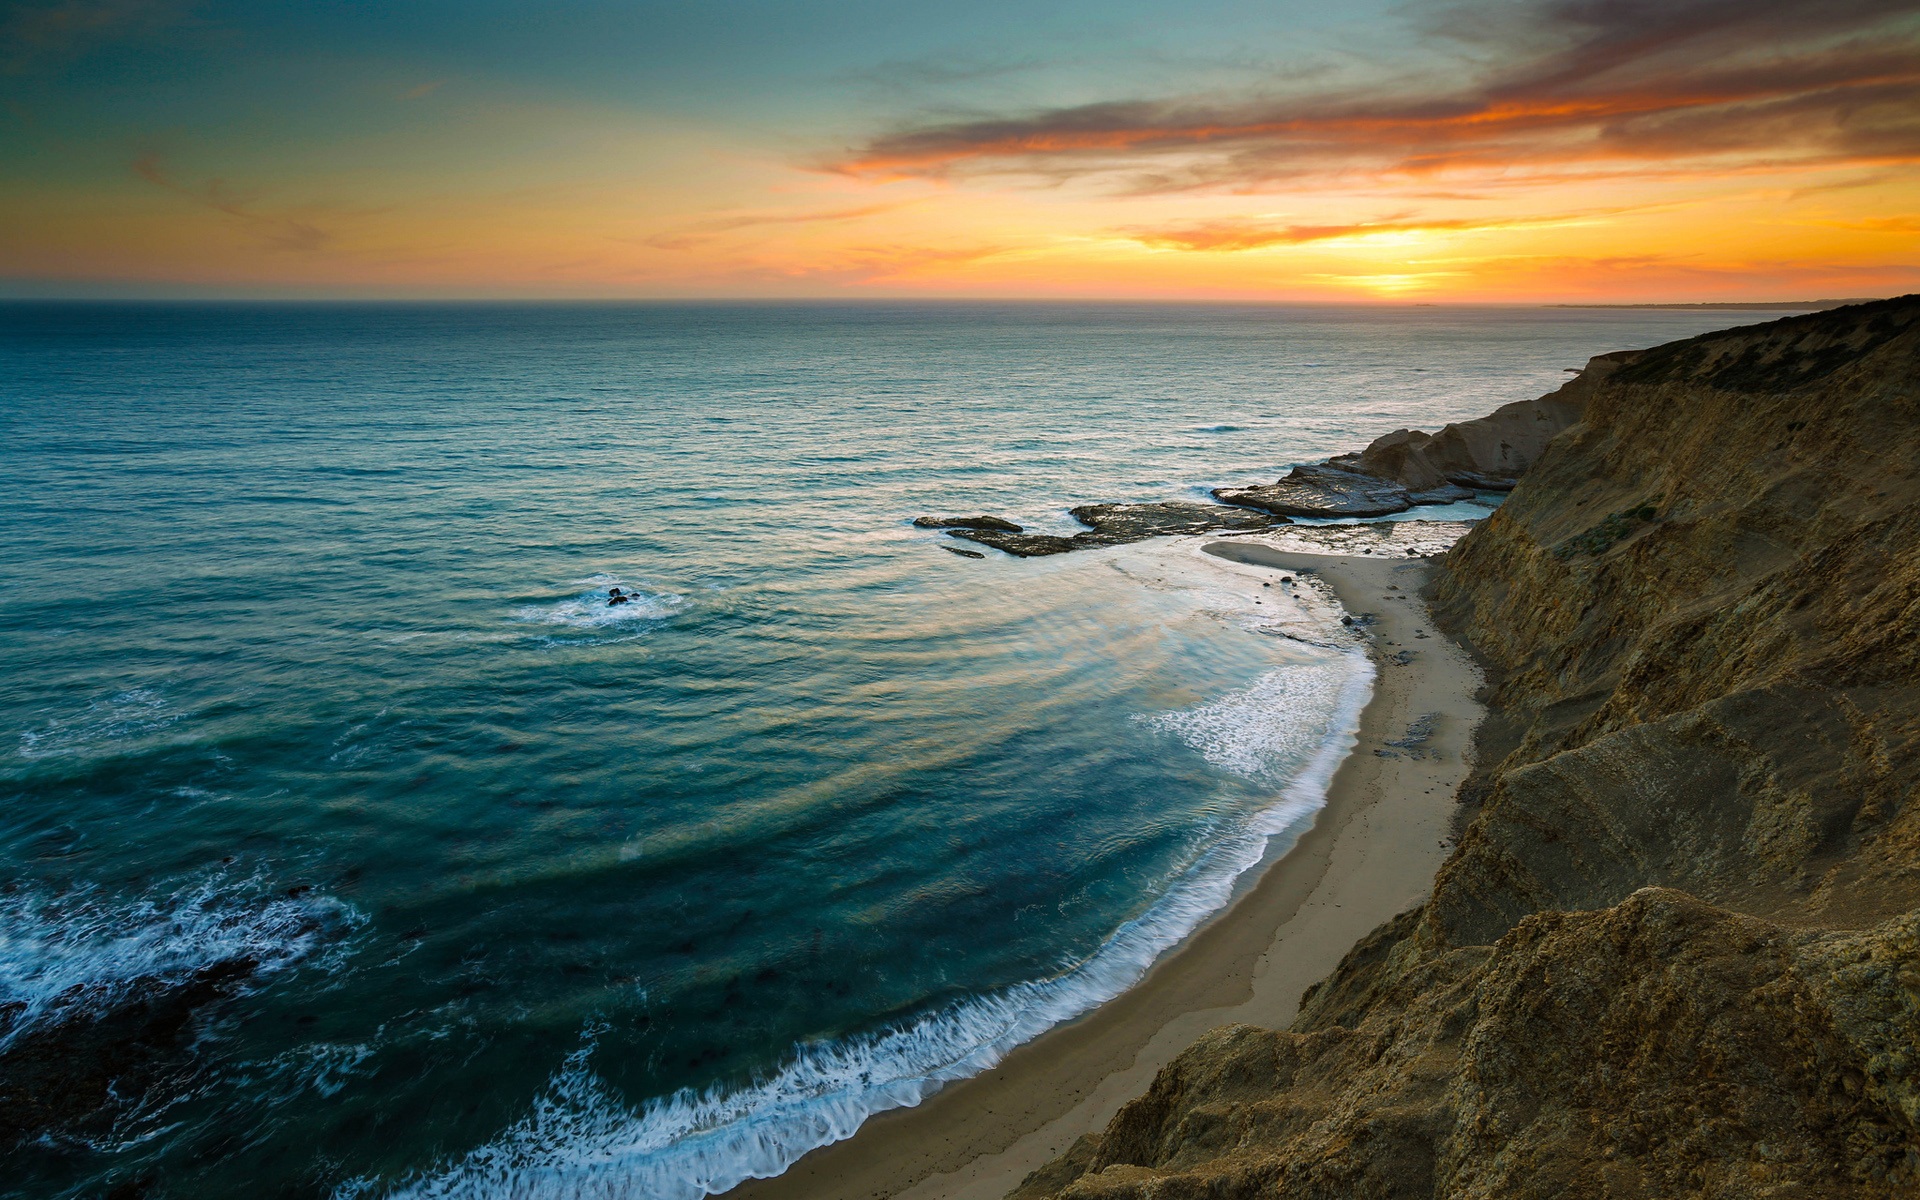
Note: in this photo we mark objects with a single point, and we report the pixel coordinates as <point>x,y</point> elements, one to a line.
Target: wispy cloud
<point>279,231</point>
<point>1599,85</point>
<point>1254,233</point>
<point>1247,234</point>
<point>1905,224</point>
<point>697,233</point>
<point>893,263</point>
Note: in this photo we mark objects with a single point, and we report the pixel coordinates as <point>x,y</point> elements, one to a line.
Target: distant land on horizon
<point>1815,305</point>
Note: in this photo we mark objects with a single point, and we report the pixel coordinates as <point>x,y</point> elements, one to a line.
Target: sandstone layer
<point>1676,950</point>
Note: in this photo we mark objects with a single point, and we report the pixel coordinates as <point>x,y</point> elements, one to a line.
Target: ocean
<point>432,875</point>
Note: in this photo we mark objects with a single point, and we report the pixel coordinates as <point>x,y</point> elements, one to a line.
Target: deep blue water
<point>307,661</point>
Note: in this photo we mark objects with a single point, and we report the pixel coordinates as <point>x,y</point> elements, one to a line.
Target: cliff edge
<point>1676,951</point>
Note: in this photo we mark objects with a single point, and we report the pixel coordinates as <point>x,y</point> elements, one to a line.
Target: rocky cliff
<point>1676,951</point>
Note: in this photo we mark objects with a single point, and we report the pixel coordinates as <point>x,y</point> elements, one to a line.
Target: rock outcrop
<point>1114,525</point>
<point>1489,453</point>
<point>997,524</point>
<point>1393,474</point>
<point>1408,467</point>
<point>1322,490</point>
<point>1676,951</point>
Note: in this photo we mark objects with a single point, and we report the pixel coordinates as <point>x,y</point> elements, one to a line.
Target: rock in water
<point>1118,524</point>
<point>1320,490</point>
<point>1020,545</point>
<point>999,524</point>
<point>1112,524</point>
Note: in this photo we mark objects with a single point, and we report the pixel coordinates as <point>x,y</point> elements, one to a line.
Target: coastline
<point>1371,853</point>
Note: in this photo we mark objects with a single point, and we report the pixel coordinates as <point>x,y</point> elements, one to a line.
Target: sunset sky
<point>1511,150</point>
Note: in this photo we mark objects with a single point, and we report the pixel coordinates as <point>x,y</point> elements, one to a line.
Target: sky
<point>1508,151</point>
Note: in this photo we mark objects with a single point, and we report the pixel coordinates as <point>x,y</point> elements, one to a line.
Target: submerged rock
<point>1320,490</point>
<point>81,1075</point>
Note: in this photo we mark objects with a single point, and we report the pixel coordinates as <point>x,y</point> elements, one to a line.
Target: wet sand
<point>1370,855</point>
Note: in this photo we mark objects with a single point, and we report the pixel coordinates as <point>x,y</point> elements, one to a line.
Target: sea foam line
<point>582,1141</point>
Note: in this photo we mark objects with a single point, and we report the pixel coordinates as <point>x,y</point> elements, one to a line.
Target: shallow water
<point>309,663</point>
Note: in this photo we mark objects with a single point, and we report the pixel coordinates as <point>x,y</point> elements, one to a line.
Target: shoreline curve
<point>1370,854</point>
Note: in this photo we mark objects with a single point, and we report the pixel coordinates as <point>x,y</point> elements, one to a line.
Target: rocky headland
<point>1676,948</point>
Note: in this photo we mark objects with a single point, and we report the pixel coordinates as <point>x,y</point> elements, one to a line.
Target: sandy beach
<point>1370,855</point>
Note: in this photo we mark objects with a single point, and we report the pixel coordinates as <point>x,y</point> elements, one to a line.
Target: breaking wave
<point>1256,732</point>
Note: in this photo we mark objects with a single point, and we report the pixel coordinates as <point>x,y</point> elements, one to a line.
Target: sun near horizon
<point>1569,151</point>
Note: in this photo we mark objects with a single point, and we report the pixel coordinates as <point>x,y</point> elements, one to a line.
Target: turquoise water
<point>307,662</point>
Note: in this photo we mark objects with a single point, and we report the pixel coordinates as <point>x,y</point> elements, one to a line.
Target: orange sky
<point>1604,150</point>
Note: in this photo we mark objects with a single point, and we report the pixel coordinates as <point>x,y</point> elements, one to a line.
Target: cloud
<point>422,91</point>
<point>700,232</point>
<point>1242,234</point>
<point>1249,233</point>
<point>1601,86</point>
<point>278,231</point>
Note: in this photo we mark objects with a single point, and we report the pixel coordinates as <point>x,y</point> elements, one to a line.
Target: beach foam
<point>1256,731</point>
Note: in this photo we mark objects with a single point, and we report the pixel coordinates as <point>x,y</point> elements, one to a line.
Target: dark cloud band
<point>1604,84</point>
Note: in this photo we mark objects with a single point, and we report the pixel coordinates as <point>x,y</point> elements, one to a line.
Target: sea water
<point>308,666</point>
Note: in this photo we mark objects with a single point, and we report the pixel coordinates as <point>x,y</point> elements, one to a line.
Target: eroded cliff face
<point>1677,949</point>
